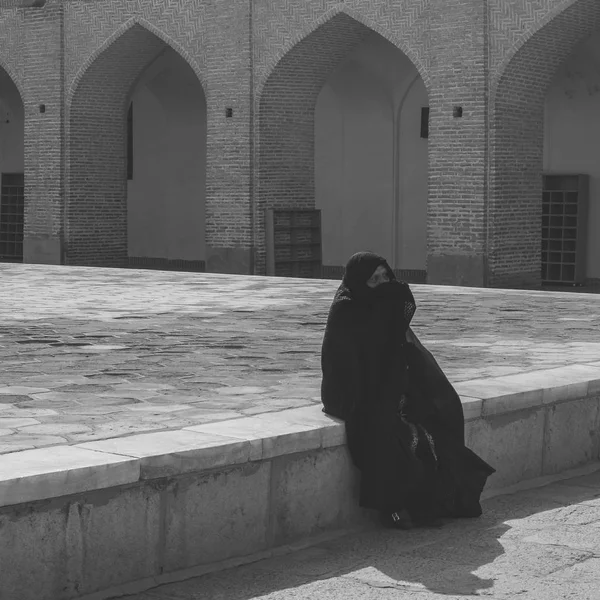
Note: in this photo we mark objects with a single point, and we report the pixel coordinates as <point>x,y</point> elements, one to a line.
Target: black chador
<point>404,420</point>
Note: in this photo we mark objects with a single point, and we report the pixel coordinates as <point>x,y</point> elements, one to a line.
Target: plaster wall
<point>12,127</point>
<point>572,131</point>
<point>166,197</point>
<point>371,164</point>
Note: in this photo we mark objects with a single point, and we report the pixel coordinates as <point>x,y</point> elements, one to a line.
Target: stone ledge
<point>33,475</point>
<point>510,393</point>
<point>59,471</point>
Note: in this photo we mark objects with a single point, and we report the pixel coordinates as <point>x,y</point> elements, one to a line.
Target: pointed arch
<point>518,93</point>
<point>122,30</point>
<point>356,15</point>
<point>535,27</point>
<point>286,102</point>
<point>13,77</point>
<point>96,211</point>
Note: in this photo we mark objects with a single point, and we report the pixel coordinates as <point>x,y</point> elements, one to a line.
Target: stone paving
<point>92,353</point>
<point>538,544</point>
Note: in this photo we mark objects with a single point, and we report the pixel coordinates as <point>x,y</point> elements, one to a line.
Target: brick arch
<point>286,101</point>
<point>96,206</point>
<point>343,9</point>
<point>517,139</point>
<point>123,29</point>
<point>531,31</point>
<point>11,74</point>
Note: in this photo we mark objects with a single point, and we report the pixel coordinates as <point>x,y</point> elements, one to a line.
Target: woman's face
<point>380,275</point>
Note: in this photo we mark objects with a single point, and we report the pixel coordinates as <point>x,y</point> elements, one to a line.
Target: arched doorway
<point>371,158</point>
<point>572,133</point>
<point>12,167</point>
<point>341,129</point>
<point>167,165</point>
<point>137,159</point>
<point>520,95</point>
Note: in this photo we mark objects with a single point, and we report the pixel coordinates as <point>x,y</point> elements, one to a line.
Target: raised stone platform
<point>536,543</point>
<point>153,422</point>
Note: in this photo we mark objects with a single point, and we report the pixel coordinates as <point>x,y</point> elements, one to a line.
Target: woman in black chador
<point>404,420</point>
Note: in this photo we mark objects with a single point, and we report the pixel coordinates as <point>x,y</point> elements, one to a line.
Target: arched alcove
<point>137,158</point>
<point>517,142</point>
<point>572,132</point>
<point>340,130</point>
<point>167,180</point>
<point>371,163</point>
<point>12,168</point>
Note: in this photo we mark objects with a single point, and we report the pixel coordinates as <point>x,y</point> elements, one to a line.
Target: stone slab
<point>206,336</point>
<point>69,547</point>
<point>512,443</point>
<point>169,453</point>
<point>312,493</point>
<point>333,431</point>
<point>42,249</point>
<point>527,390</point>
<point>471,407</point>
<point>59,471</point>
<point>572,435</point>
<point>212,517</point>
<point>269,436</point>
<point>525,546</point>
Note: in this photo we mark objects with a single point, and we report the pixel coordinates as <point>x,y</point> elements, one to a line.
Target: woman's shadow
<point>451,560</point>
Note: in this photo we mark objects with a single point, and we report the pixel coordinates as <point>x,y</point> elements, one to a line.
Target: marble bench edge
<point>70,469</point>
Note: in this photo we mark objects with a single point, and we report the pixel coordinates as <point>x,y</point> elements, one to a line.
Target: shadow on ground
<point>443,561</point>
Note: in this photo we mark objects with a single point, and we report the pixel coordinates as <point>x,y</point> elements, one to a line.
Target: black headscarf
<point>358,271</point>
<point>366,327</point>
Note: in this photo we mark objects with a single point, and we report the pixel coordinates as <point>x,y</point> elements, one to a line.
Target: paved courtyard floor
<point>90,353</point>
<point>540,544</point>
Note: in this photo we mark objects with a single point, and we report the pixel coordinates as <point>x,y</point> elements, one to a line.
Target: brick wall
<point>30,53</point>
<point>286,119</point>
<point>456,223</point>
<point>12,46</point>
<point>96,215</point>
<point>519,85</point>
<point>213,37</point>
<point>81,60</point>
<point>298,45</point>
<point>44,139</point>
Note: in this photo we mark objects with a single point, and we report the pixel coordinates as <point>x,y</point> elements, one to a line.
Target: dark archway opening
<point>12,167</point>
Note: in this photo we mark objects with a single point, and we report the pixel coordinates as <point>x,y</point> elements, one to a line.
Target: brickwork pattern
<point>11,46</point>
<point>286,119</point>
<point>12,56</point>
<point>303,43</point>
<point>92,25</point>
<point>484,190</point>
<point>213,39</point>
<point>517,140</point>
<point>96,227</point>
<point>44,136</point>
<point>457,146</point>
<point>278,25</point>
<point>512,22</point>
<point>16,27</point>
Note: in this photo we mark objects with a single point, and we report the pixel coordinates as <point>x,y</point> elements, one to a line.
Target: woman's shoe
<point>398,520</point>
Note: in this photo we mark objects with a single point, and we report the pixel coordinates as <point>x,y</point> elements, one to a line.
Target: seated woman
<point>404,420</point>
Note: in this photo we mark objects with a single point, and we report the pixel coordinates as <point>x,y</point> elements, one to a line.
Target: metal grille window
<point>12,204</point>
